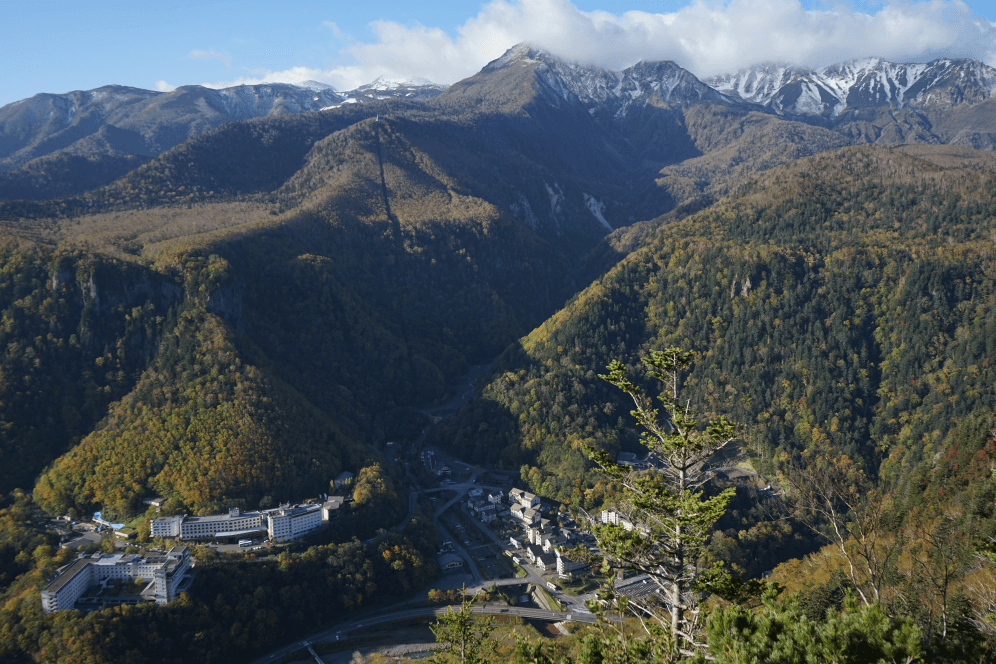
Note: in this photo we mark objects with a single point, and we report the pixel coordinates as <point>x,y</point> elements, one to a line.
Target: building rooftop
<point>167,518</point>
<point>212,518</point>
<point>449,558</point>
<point>66,576</point>
<point>293,510</point>
<point>168,560</point>
<point>117,559</point>
<point>638,588</point>
<point>237,533</point>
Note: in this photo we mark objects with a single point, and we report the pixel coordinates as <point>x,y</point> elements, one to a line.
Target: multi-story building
<point>527,515</point>
<point>233,524</point>
<point>616,519</point>
<point>524,498</point>
<point>166,526</point>
<point>331,507</point>
<point>164,571</point>
<point>537,533</point>
<point>551,542</point>
<point>568,568</point>
<point>292,521</point>
<point>281,524</point>
<point>546,561</point>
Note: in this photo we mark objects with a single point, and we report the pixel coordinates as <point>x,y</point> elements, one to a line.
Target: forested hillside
<point>307,272</point>
<point>61,175</point>
<point>839,305</point>
<point>239,319</point>
<point>76,330</point>
<point>381,283</point>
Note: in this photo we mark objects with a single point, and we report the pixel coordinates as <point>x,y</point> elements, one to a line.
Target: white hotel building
<point>282,524</point>
<point>164,571</point>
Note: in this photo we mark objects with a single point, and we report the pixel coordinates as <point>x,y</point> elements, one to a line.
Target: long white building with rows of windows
<point>164,572</point>
<point>282,524</point>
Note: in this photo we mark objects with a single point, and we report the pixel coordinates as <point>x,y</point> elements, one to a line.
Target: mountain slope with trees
<point>836,304</point>
<point>354,260</point>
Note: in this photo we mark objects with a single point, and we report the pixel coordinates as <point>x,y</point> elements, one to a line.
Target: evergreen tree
<point>670,504</point>
<point>782,634</point>
<point>464,638</point>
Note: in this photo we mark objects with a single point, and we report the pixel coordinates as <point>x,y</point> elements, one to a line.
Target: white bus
<point>245,542</point>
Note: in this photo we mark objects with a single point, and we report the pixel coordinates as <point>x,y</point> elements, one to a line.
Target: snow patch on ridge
<point>829,90</point>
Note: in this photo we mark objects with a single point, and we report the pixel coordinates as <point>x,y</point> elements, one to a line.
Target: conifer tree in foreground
<point>463,637</point>
<point>668,504</point>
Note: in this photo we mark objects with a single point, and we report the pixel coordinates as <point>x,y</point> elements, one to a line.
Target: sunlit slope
<point>384,279</point>
<point>842,303</point>
<point>76,329</point>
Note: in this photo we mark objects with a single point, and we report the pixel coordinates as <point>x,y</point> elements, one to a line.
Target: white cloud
<point>334,28</point>
<point>705,37</point>
<point>211,55</point>
<point>163,86</point>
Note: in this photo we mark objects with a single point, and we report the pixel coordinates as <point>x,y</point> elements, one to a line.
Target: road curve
<point>408,614</point>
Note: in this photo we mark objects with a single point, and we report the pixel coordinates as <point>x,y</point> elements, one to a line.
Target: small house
<point>345,478</point>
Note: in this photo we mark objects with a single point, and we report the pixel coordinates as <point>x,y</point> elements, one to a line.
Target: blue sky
<point>55,46</point>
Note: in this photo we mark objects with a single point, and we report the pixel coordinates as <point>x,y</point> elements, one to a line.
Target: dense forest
<point>274,343</point>
<point>76,329</point>
<point>239,319</point>
<point>838,305</point>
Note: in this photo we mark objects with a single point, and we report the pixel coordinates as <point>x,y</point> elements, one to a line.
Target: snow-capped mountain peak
<point>386,87</point>
<point>317,86</point>
<point>519,54</point>
<point>849,86</point>
<point>393,83</point>
<point>594,86</point>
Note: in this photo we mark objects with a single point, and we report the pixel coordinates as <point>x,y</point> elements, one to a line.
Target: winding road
<point>342,629</point>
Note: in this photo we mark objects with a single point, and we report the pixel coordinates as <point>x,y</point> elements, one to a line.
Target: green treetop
<point>463,637</point>
<point>673,518</point>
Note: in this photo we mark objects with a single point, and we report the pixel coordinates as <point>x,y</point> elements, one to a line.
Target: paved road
<point>444,535</point>
<point>341,630</point>
<point>533,575</point>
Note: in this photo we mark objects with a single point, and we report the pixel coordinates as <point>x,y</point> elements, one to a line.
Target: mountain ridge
<point>643,111</point>
<point>119,120</point>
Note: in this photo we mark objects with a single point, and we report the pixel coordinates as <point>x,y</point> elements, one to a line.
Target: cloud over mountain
<point>706,38</point>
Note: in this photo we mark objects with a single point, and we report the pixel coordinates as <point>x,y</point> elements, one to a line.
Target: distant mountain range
<point>693,137</point>
<point>868,101</point>
<point>119,120</point>
<point>871,100</point>
<point>303,266</point>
